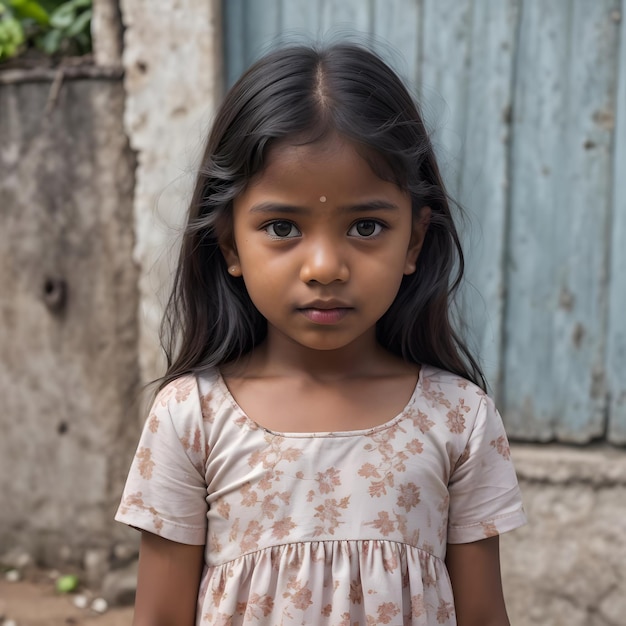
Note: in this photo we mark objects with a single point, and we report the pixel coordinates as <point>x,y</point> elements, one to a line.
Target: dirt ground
<point>34,602</point>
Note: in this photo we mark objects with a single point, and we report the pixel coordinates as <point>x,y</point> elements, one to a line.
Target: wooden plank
<point>446,45</point>
<point>561,162</point>
<point>342,19</point>
<point>301,20</point>
<point>537,130</point>
<point>445,61</point>
<point>233,23</point>
<point>616,360</point>
<point>263,25</point>
<point>63,72</point>
<point>483,188</point>
<point>396,27</point>
<point>251,27</point>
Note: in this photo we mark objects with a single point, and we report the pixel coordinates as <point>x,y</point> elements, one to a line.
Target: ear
<point>420,228</point>
<point>226,242</point>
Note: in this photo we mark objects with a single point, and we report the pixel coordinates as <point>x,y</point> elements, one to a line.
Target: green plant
<point>55,27</point>
<point>70,28</point>
<point>11,34</point>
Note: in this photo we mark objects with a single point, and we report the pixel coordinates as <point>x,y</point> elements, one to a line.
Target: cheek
<point>389,290</point>
<point>387,277</point>
<point>260,266</point>
<point>264,286</point>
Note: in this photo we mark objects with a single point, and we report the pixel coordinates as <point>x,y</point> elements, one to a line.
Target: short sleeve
<point>166,491</point>
<point>485,499</point>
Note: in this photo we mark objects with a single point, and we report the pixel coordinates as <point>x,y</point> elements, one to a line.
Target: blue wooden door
<point>526,100</point>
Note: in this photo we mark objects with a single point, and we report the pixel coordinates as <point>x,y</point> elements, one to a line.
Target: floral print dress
<point>338,528</point>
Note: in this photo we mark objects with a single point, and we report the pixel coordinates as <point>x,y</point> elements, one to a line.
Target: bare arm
<point>167,582</point>
<point>475,575</point>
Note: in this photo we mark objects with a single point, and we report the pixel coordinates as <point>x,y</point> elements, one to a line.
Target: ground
<point>34,602</point>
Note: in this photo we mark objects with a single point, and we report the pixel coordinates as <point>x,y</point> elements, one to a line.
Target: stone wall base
<point>567,567</point>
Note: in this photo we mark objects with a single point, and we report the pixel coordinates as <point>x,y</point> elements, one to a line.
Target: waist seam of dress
<point>326,541</point>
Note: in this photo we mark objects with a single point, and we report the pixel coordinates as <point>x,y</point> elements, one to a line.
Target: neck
<point>279,355</point>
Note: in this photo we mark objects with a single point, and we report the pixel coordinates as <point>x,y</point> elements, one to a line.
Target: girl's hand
<point>474,570</point>
<point>167,582</point>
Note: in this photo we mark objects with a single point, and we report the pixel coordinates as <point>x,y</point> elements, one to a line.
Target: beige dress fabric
<point>337,529</point>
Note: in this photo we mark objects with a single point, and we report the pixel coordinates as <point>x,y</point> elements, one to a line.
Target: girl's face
<point>322,244</point>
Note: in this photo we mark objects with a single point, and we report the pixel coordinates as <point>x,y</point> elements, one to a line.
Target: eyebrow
<point>288,209</point>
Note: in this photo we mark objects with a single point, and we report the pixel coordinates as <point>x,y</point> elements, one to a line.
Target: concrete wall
<point>172,62</point>
<point>96,173</point>
<point>567,567</point>
<point>68,302</point>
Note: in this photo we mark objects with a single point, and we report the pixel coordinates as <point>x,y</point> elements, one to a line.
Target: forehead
<point>333,164</point>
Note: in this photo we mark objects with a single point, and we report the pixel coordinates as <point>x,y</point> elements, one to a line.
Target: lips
<point>325,305</point>
<point>325,311</point>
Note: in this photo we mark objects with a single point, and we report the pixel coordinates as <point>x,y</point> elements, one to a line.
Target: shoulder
<point>448,387</point>
<point>181,417</point>
<point>461,403</point>
<point>176,391</point>
<point>188,396</point>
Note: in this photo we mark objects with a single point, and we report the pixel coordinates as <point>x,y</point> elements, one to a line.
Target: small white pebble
<point>53,574</point>
<point>99,605</point>
<point>80,601</point>
<point>12,575</point>
<point>9,622</point>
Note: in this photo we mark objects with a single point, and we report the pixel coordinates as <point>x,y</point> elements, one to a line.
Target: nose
<point>324,262</point>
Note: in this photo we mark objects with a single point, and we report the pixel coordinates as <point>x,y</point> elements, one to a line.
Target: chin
<point>327,345</point>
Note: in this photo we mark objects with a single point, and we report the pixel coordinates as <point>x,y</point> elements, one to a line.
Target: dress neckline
<point>321,434</point>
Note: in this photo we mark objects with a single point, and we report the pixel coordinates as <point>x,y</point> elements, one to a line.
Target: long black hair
<point>300,94</point>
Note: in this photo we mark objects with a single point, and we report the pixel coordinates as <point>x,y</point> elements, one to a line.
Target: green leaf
<point>11,37</point>
<point>51,5</point>
<point>51,41</point>
<point>63,17</point>
<point>70,8</point>
<point>79,24</point>
<point>54,26</point>
<point>29,9</point>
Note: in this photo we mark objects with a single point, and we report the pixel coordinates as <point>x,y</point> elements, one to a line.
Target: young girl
<point>321,450</point>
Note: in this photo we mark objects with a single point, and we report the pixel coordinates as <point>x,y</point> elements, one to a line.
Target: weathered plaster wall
<point>68,302</point>
<point>172,57</point>
<point>567,567</point>
<point>87,220</point>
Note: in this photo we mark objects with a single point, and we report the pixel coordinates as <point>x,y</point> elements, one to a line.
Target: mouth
<point>325,305</point>
<point>325,311</point>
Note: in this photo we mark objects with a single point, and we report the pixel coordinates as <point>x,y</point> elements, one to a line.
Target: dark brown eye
<point>366,228</point>
<point>282,230</point>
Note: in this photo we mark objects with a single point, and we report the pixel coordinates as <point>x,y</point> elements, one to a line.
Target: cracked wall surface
<point>567,567</point>
<point>172,61</point>
<point>68,312</point>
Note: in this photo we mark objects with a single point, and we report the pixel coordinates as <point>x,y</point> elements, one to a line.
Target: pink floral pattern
<point>332,529</point>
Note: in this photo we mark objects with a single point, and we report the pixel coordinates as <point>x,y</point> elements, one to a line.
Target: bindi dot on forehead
<point>322,198</point>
